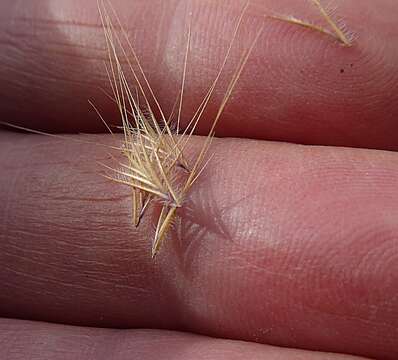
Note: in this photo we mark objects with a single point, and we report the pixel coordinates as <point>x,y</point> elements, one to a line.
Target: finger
<point>298,86</point>
<point>35,340</point>
<point>282,244</point>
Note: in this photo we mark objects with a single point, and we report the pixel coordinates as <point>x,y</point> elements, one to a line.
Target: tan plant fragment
<point>155,167</point>
<point>335,31</point>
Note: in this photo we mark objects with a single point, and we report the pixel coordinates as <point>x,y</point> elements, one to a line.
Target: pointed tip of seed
<point>155,247</point>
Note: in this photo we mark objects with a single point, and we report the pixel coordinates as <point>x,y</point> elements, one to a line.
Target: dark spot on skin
<point>351,65</point>
<point>341,71</point>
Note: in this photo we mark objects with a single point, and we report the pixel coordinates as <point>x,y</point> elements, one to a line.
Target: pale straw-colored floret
<point>155,167</point>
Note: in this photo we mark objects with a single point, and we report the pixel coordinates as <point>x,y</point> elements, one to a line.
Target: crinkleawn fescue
<point>155,166</point>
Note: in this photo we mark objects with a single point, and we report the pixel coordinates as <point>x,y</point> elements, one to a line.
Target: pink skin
<point>279,244</point>
<point>292,88</point>
<point>104,344</point>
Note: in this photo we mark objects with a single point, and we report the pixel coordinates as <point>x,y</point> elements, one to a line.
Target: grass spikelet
<point>155,167</point>
<point>337,31</point>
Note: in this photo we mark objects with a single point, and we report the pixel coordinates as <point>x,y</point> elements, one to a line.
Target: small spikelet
<point>337,29</point>
<point>154,166</point>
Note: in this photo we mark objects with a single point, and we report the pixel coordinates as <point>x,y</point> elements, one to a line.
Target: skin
<point>279,246</point>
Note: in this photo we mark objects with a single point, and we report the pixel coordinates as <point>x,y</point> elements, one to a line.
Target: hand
<point>279,244</point>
